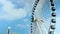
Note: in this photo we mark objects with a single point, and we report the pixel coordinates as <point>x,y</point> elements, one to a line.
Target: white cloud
<point>26,20</point>
<point>14,33</point>
<point>22,25</point>
<point>10,13</point>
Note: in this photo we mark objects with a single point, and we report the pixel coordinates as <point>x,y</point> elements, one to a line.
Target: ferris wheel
<point>38,25</point>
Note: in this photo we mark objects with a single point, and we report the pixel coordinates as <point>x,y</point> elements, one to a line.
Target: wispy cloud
<point>11,13</point>
<point>14,33</point>
<point>22,26</point>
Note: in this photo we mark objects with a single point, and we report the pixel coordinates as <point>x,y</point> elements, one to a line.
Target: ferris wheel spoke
<point>40,28</point>
<point>43,29</point>
<point>39,25</point>
<point>46,26</point>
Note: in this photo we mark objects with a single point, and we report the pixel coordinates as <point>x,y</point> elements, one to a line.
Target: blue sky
<point>17,15</point>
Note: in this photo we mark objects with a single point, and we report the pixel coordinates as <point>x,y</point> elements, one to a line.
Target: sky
<point>17,15</point>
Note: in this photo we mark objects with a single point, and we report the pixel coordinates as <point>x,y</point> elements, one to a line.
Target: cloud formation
<point>10,13</point>
<point>14,33</point>
<point>22,25</point>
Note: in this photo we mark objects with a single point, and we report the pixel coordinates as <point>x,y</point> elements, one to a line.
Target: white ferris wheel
<point>38,25</point>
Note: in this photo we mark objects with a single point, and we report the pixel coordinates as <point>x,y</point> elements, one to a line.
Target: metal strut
<point>33,11</point>
<point>53,18</point>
